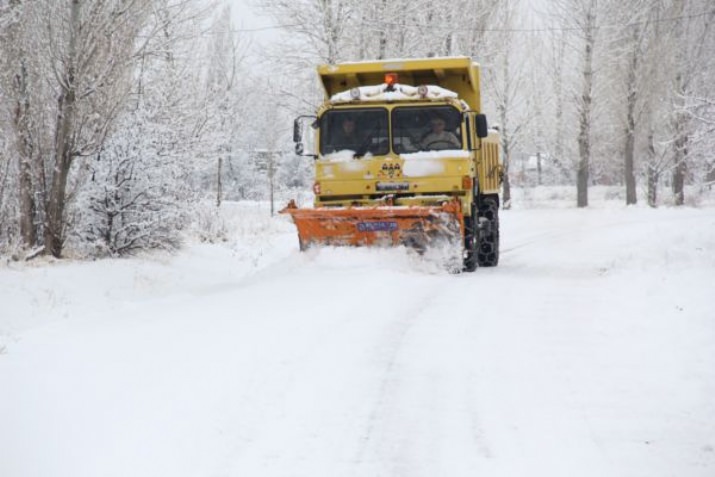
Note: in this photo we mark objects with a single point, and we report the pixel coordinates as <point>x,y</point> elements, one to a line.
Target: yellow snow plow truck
<point>403,157</point>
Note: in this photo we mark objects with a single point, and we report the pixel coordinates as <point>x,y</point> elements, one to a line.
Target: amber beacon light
<point>391,80</point>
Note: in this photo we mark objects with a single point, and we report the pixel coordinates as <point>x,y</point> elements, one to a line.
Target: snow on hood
<point>401,92</point>
<point>422,168</point>
<point>417,164</point>
<point>344,160</point>
<point>441,154</point>
<point>344,155</point>
<point>428,163</point>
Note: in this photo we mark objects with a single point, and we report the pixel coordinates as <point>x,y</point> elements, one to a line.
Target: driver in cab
<point>438,138</point>
<point>346,136</point>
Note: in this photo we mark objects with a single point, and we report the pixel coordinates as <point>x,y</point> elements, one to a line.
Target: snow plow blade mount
<point>417,227</point>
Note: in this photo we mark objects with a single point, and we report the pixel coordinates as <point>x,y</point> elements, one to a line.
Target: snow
<point>418,164</point>
<point>422,168</point>
<point>344,155</point>
<point>589,351</point>
<point>401,93</point>
<point>441,154</point>
<point>426,163</point>
<point>345,160</point>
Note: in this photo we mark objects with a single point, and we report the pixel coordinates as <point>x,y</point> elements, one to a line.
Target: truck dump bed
<point>458,74</point>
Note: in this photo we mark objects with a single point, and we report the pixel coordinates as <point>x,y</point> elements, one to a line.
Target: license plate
<point>385,186</point>
<point>377,226</point>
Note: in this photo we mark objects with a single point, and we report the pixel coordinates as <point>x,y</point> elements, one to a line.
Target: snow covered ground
<point>589,351</point>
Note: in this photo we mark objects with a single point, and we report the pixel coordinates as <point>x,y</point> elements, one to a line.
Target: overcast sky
<point>246,17</point>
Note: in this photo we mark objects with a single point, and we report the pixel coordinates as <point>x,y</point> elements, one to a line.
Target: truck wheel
<point>470,243</point>
<point>488,252</point>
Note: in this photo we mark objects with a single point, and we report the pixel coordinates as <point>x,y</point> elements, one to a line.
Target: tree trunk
<point>629,152</point>
<point>538,168</point>
<point>559,90</point>
<point>680,144</point>
<point>680,118</point>
<point>449,39</point>
<point>331,27</point>
<point>584,137</point>
<point>652,186</point>
<point>504,109</point>
<point>25,153</point>
<point>54,221</point>
<point>271,174</point>
<point>582,175</point>
<point>653,173</point>
<point>630,178</point>
<point>506,188</point>
<point>27,204</point>
<point>64,144</point>
<point>382,34</point>
<point>680,167</point>
<point>219,183</point>
<point>21,121</point>
<point>506,155</point>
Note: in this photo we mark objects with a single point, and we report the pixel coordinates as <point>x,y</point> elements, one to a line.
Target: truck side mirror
<point>481,124</point>
<point>297,130</point>
<point>304,137</point>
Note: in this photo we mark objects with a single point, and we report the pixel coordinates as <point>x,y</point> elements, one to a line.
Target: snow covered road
<point>589,351</point>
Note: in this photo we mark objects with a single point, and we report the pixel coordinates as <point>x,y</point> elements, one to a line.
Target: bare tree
<point>580,19</point>
<point>506,86</point>
<point>16,81</point>
<point>635,40</point>
<point>225,56</point>
<point>319,25</point>
<point>92,48</point>
<point>692,34</point>
<point>588,24</point>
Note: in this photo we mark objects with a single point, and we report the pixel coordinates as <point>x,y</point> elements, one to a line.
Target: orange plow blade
<point>413,226</point>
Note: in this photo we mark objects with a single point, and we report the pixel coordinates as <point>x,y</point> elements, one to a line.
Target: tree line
<point>125,122</point>
<point>119,120</point>
<point>600,91</point>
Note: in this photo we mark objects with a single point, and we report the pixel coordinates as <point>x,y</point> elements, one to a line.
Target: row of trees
<point>118,118</point>
<point>643,68</point>
<point>605,91</point>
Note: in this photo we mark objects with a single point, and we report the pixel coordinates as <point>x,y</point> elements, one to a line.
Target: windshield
<point>361,131</point>
<point>426,128</point>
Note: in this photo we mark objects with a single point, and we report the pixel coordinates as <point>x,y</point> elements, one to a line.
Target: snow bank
<point>564,197</point>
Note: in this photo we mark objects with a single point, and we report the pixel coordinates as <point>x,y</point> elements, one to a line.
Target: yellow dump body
<point>489,165</point>
<point>459,74</point>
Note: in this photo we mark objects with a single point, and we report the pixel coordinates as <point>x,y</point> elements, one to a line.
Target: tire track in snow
<point>403,326</point>
<point>425,404</point>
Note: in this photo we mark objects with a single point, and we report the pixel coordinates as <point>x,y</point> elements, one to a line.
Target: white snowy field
<point>589,351</point>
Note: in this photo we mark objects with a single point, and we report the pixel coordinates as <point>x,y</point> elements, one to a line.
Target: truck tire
<point>488,252</point>
<point>470,242</point>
